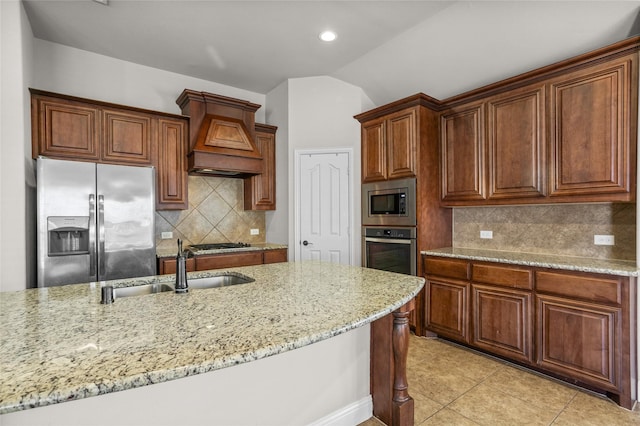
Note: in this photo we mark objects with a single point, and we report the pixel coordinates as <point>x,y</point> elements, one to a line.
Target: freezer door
<point>65,240</point>
<point>125,227</point>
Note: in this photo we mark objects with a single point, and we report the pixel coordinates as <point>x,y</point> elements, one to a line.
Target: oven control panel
<point>400,233</point>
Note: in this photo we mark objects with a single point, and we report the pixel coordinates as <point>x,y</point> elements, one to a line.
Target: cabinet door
<point>447,308</point>
<point>374,151</point>
<point>401,144</point>
<point>503,322</point>
<point>462,153</point>
<point>65,129</point>
<point>171,171</point>
<point>516,144</point>
<point>127,137</point>
<point>260,190</point>
<point>579,340</point>
<point>591,131</point>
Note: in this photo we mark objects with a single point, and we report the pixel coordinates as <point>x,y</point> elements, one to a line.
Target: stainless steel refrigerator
<point>95,222</point>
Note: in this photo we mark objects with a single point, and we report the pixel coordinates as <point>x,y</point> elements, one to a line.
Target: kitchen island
<point>61,345</point>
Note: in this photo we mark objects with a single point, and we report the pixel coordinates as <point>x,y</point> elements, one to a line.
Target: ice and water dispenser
<point>68,235</point>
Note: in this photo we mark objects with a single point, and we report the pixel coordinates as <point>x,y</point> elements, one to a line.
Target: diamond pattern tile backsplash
<point>549,229</point>
<point>216,214</point>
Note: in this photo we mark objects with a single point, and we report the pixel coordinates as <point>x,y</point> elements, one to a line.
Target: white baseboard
<point>353,414</point>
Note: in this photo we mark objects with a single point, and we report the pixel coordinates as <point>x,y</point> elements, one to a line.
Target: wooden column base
<point>389,348</point>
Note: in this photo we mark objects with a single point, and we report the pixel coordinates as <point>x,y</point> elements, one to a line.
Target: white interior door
<point>324,206</point>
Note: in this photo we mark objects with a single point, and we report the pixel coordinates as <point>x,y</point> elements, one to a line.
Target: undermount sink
<point>139,290</point>
<point>223,280</point>
<point>218,281</point>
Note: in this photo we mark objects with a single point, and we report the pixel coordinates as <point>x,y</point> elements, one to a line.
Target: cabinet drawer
<point>169,266</point>
<point>275,256</point>
<point>503,276</point>
<point>228,260</point>
<point>590,288</point>
<point>450,268</point>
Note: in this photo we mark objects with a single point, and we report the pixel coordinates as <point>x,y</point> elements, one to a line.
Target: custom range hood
<point>221,135</point>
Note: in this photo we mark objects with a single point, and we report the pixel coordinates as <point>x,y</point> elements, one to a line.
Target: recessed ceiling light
<point>327,36</point>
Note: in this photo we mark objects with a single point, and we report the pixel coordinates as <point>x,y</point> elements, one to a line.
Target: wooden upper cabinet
<point>171,173</point>
<point>462,153</point>
<point>565,133</point>
<point>127,137</point>
<point>79,129</point>
<point>516,143</point>
<point>65,129</point>
<point>374,151</point>
<point>592,130</point>
<point>389,146</point>
<point>260,190</point>
<point>402,144</point>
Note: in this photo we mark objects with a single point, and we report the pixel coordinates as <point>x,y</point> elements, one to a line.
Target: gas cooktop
<point>216,246</point>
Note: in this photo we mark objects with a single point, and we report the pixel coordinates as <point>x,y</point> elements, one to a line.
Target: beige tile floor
<point>452,385</point>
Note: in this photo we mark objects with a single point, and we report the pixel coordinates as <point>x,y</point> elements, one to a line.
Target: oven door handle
<point>388,240</point>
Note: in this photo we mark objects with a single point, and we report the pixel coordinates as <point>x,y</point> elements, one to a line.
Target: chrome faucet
<point>181,270</point>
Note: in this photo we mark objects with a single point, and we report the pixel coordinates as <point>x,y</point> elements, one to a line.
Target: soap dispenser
<point>181,270</point>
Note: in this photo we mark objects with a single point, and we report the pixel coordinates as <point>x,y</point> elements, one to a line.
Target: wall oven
<point>390,249</point>
<point>389,203</point>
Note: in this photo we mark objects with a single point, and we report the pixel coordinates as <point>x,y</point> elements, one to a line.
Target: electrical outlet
<point>167,235</point>
<point>255,231</point>
<point>486,234</point>
<point>604,240</point>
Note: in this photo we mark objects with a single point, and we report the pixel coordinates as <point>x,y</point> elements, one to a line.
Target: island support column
<point>389,348</point>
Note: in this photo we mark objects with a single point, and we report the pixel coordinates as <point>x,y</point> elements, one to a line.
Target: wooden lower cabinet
<point>224,260</point>
<point>576,326</point>
<point>579,339</point>
<point>502,321</point>
<point>228,260</point>
<point>447,308</point>
<point>275,256</point>
<point>169,265</point>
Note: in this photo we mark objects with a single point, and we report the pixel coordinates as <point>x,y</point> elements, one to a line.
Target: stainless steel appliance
<point>95,222</point>
<point>389,203</point>
<point>390,249</point>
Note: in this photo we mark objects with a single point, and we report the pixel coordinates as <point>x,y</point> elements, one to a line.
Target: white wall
<point>76,72</point>
<point>17,183</point>
<point>320,115</point>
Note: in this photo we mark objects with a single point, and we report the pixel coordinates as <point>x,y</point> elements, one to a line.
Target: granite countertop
<point>171,252</point>
<point>583,264</point>
<point>59,344</point>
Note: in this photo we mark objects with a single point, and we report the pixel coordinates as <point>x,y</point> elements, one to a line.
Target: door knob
<point>306,243</point>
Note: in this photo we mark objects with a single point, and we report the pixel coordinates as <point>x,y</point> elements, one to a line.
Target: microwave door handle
<point>388,240</point>
<point>101,255</point>
<point>92,235</point>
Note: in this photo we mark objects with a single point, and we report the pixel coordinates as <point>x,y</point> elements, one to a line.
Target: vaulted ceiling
<point>391,49</point>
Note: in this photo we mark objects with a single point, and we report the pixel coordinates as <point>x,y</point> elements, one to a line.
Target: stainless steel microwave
<point>389,203</point>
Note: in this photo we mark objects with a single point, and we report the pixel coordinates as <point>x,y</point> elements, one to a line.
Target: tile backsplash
<point>550,229</point>
<point>216,214</point>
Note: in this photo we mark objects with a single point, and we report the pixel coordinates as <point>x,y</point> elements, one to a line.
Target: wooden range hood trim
<point>222,135</point>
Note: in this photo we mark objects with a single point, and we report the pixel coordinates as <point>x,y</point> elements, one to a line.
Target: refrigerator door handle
<point>92,235</point>
<point>101,255</point>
